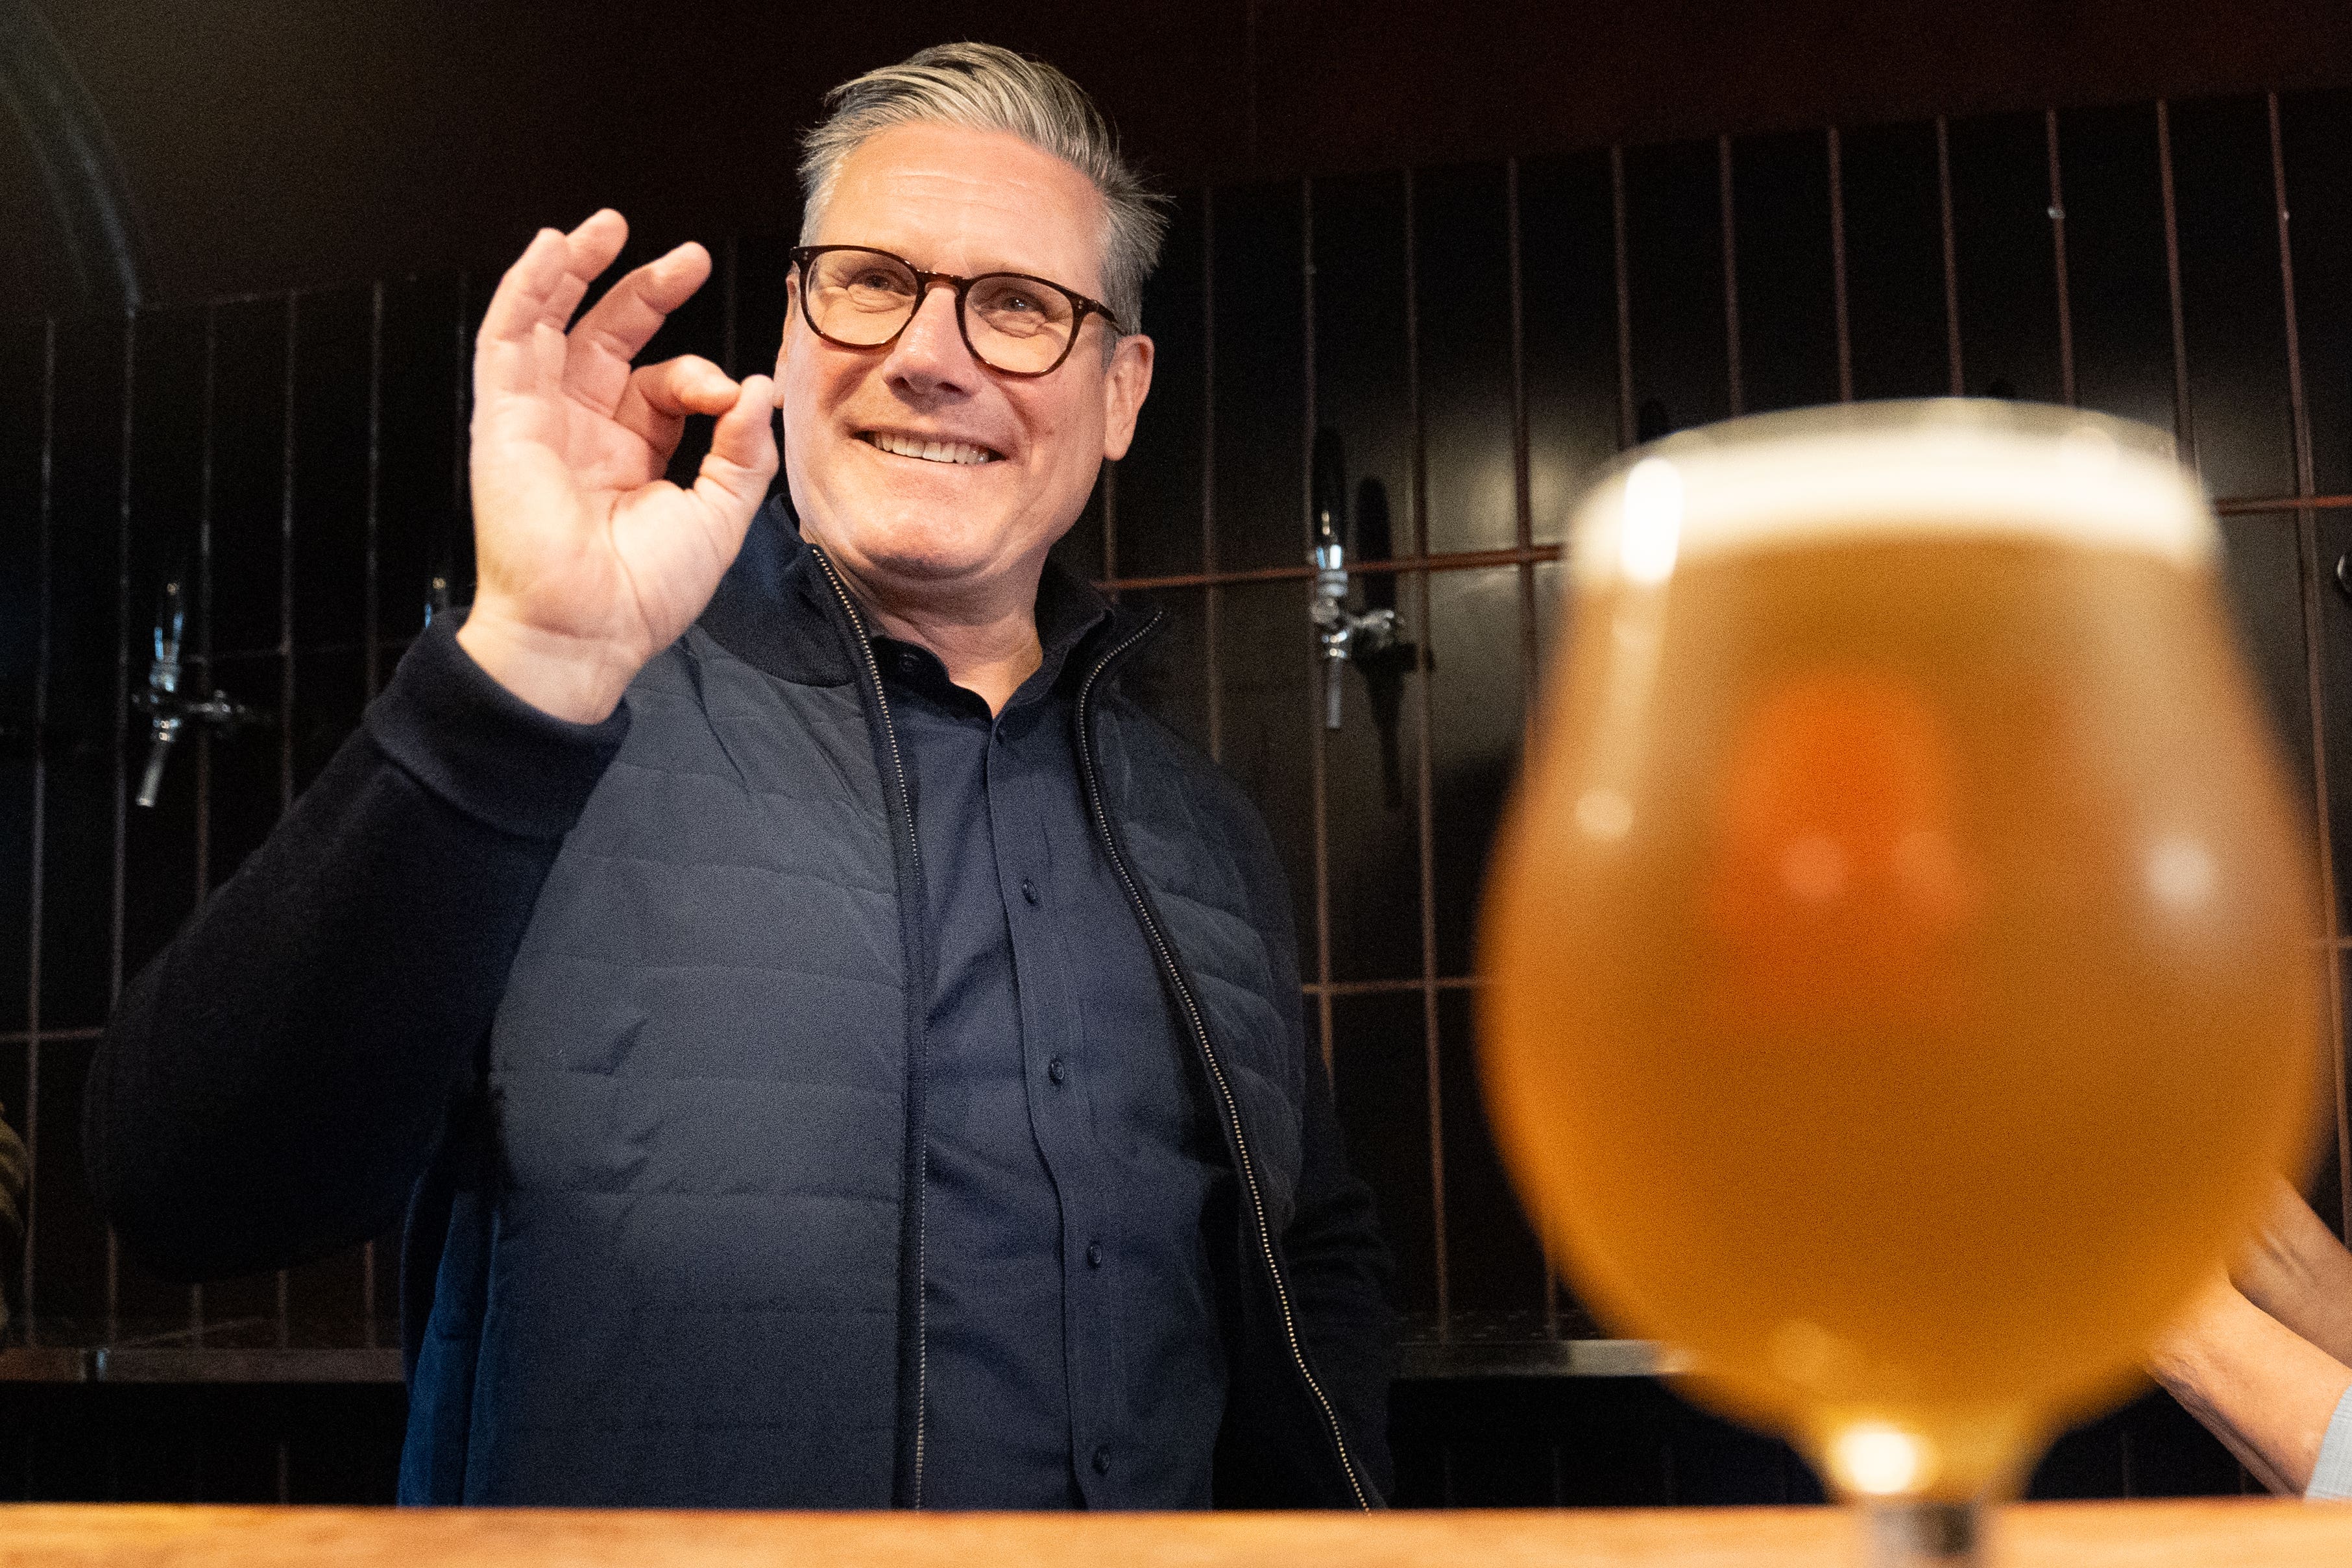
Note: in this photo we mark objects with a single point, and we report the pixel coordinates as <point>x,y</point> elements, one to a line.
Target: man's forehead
<point>952,199</point>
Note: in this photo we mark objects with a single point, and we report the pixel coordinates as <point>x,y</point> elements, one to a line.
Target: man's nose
<point>929,353</point>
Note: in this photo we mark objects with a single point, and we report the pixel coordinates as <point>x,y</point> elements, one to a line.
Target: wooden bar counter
<point>2205,1533</point>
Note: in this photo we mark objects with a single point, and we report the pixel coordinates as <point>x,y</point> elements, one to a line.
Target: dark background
<point>275,142</point>
<point>1485,250</point>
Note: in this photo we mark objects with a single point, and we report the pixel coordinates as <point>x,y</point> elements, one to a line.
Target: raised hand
<point>589,562</point>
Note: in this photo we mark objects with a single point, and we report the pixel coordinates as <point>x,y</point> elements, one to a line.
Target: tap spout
<point>168,711</point>
<point>159,751</point>
<point>1334,627</point>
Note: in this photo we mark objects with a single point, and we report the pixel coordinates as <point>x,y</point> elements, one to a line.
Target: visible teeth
<point>931,451</point>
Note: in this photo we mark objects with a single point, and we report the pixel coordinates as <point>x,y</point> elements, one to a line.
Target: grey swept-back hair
<point>983,88</point>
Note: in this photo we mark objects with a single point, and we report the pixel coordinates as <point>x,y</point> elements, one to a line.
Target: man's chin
<point>935,566</point>
<point>919,550</point>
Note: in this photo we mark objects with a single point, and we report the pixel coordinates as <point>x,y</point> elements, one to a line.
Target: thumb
<point>733,479</point>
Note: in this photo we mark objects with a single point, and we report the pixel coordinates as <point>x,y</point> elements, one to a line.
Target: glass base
<point>1921,1534</point>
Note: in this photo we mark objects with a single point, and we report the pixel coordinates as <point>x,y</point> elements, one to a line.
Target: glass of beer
<point>1902,953</point>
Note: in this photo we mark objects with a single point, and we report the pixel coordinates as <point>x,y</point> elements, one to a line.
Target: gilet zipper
<point>1232,1106</point>
<point>921,1137</point>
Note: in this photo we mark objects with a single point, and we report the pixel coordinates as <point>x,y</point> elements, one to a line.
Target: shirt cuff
<point>2331,1478</point>
<point>444,721</point>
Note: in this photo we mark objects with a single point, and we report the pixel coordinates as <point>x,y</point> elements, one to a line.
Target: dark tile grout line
<point>37,881</point>
<point>2184,436</point>
<point>120,732</point>
<point>2314,627</point>
<point>208,666</point>
<point>290,394</point>
<point>1318,673</point>
<point>1836,153</point>
<point>2058,268</point>
<point>1417,487</point>
<point>1950,235</point>
<point>371,608</point>
<point>1523,521</point>
<point>1734,374</point>
<point>1213,600</point>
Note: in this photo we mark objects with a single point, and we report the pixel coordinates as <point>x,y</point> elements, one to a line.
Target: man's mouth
<point>929,451</point>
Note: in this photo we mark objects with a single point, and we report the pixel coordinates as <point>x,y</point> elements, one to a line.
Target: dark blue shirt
<point>1073,1357</point>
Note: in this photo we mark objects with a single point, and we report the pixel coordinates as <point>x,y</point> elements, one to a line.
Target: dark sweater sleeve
<point>274,1083</point>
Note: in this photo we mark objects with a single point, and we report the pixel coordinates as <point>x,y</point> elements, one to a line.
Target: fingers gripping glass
<point>1011,322</point>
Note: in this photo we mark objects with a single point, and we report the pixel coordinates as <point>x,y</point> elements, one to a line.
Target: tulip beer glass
<point>1900,955</point>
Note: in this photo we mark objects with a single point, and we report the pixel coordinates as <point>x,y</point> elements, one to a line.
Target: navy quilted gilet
<point>674,1267</point>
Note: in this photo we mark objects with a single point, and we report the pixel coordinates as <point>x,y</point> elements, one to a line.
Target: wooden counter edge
<point>2190,1533</point>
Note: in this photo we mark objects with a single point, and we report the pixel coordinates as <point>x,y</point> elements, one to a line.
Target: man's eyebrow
<point>1045,274</point>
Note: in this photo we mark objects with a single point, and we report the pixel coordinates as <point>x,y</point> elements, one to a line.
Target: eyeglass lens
<point>863,298</point>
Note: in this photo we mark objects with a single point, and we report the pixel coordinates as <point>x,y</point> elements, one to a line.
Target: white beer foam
<point>1962,470</point>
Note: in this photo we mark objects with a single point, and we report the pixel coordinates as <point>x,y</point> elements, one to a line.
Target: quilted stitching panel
<point>741,1375</point>
<point>690,1020</point>
<point>1197,844</point>
<point>707,1137</point>
<point>698,1075</point>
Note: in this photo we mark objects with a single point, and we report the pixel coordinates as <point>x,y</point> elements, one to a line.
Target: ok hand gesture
<point>589,561</point>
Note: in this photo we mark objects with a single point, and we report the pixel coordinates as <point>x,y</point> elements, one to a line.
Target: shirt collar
<point>775,611</point>
<point>1070,614</point>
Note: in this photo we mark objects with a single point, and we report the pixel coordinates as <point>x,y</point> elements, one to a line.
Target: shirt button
<point>1102,1460</point>
<point>1028,890</point>
<point>908,663</point>
<point>1055,1071</point>
<point>1094,1254</point>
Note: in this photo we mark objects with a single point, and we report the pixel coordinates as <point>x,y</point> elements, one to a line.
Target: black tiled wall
<point>1482,338</point>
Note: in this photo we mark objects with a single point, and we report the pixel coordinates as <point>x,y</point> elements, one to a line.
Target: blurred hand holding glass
<point>1902,953</point>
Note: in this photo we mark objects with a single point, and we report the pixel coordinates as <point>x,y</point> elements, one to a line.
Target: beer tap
<point>1342,634</point>
<point>1384,666</point>
<point>168,713</point>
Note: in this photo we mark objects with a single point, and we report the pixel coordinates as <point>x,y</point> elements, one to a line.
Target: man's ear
<point>1126,384</point>
<point>784,339</point>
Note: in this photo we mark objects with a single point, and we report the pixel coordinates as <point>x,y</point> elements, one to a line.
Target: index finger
<point>596,359</point>
<point>547,281</point>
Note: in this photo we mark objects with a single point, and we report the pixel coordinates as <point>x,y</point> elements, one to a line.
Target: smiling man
<point>831,1047</point>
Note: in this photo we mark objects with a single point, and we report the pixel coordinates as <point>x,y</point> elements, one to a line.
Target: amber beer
<point>1901,951</point>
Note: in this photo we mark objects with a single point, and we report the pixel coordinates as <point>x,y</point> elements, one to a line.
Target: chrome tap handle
<point>161,701</point>
<point>171,623</point>
<point>1366,637</point>
<point>168,712</point>
<point>1334,627</point>
<point>150,782</point>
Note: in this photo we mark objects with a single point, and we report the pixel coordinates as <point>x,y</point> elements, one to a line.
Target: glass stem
<point>1917,1534</point>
